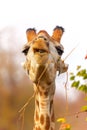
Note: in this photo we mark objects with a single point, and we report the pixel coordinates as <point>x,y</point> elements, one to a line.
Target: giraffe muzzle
<point>39,50</point>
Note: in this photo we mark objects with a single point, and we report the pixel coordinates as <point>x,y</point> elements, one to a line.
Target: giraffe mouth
<point>40,51</point>
<point>41,55</point>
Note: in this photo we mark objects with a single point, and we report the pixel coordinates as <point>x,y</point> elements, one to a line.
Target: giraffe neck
<point>44,111</point>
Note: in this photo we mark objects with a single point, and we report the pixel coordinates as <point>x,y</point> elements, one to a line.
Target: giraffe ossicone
<point>43,59</point>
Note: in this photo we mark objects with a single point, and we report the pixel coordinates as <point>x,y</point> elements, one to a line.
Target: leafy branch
<point>81,75</point>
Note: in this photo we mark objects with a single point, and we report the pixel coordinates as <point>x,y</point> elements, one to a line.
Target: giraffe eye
<point>25,49</point>
<point>59,50</point>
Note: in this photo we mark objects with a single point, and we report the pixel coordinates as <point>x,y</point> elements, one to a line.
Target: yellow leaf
<point>62,120</point>
<point>86,119</point>
<point>65,126</point>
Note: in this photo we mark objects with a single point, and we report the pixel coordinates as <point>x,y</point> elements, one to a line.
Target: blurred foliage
<point>84,108</point>
<point>15,86</point>
<point>79,77</point>
<point>79,81</point>
<point>62,120</point>
<point>64,125</point>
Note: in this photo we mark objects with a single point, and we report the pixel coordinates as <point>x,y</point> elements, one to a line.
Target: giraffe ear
<point>57,33</point>
<point>30,33</point>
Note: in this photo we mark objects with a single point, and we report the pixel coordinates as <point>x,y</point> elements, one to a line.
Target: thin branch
<point>26,104</point>
<point>77,113</point>
<point>67,107</point>
<point>22,111</point>
<point>70,52</point>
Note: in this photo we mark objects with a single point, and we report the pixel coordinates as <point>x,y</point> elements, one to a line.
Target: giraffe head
<point>41,51</point>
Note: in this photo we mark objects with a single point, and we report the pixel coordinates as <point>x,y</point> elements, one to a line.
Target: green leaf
<point>85,98</point>
<point>71,73</point>
<point>78,67</point>
<point>84,108</point>
<point>81,72</point>
<point>67,129</point>
<point>75,84</point>
<point>83,88</point>
<point>85,76</point>
<point>72,77</point>
<point>86,119</point>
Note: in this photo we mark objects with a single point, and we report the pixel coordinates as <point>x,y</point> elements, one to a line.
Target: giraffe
<point>43,59</point>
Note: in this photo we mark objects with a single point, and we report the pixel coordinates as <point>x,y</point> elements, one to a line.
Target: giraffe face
<point>42,50</point>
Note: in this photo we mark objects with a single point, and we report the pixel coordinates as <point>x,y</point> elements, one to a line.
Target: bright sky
<point>46,14</point>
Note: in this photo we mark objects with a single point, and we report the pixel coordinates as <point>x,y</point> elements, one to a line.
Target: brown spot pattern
<point>41,93</point>
<point>51,103</point>
<point>36,128</point>
<point>42,104</point>
<point>52,117</point>
<point>49,83</point>
<point>47,126</point>
<point>37,116</point>
<point>39,128</point>
<point>51,128</point>
<point>46,93</point>
<point>37,102</point>
<point>42,119</point>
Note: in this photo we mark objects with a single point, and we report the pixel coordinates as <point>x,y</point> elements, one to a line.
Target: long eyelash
<point>25,49</point>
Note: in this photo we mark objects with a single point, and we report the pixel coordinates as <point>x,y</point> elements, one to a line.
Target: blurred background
<point>15,86</point>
